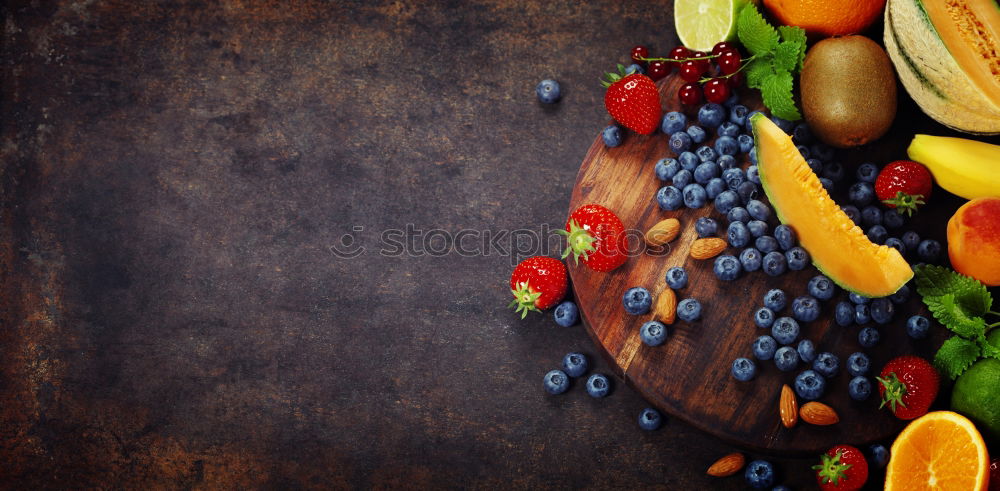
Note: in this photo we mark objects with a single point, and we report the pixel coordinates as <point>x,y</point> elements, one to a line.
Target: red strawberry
<point>537,283</point>
<point>633,101</point>
<point>842,468</point>
<point>909,384</point>
<point>904,185</point>
<point>596,235</point>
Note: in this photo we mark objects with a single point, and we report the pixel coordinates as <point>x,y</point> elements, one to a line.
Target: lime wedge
<point>700,24</point>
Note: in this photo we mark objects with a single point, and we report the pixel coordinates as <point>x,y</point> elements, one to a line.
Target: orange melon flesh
<point>838,247</point>
<point>970,29</point>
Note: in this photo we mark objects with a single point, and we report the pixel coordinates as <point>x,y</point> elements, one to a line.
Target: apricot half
<point>974,240</point>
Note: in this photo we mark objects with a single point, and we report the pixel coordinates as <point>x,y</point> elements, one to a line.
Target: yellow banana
<point>967,168</point>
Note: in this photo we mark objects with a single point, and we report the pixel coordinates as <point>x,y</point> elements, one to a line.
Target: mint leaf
<point>757,71</point>
<point>786,56</point>
<point>955,356</point>
<point>776,91</point>
<point>948,312</point>
<point>754,32</point>
<point>934,281</point>
<point>797,36</point>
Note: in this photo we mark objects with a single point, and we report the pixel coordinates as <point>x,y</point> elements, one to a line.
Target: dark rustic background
<point>174,175</point>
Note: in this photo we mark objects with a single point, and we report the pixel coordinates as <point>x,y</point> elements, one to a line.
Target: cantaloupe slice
<point>838,247</point>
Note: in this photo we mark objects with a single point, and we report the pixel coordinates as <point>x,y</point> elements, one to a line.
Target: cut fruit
<point>702,23</point>
<point>940,450</point>
<point>838,247</point>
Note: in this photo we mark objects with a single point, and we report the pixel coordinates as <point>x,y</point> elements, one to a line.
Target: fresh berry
<point>797,258</point>
<point>882,310</point>
<point>821,287</point>
<point>929,250</point>
<point>634,68</point>
<point>738,234</point>
<point>901,295</point>
<point>826,364</point>
<point>705,227</point>
<point>566,314</point>
<point>694,196</point>
<point>738,214</point>
<point>612,136</point>
<point>862,313</point>
<point>858,299</point>
<point>757,228</point>
<point>859,388</point>
<point>867,172</point>
<point>669,197</point>
<point>650,419</point>
<point>749,126</point>
<point>805,308</point>
<point>704,62</point>
<point>727,267</point>
<point>763,318</point>
<point>745,142</point>
<point>751,259</point>
<point>896,244</point>
<point>744,369</point>
<point>676,277</point>
<point>775,299</point>
<point>690,71</point>
<point>658,70</point>
<point>666,168</point>
<point>640,52</point>
<point>633,101</point>
<point>759,474</point>
<point>723,46</point>
<point>827,184</point>
<point>758,210</point>
<point>690,94</point>
<point>746,191</point>
<point>833,171</point>
<point>679,142</point>
<point>738,116</point>
<point>786,358</point>
<point>556,382</point>
<point>786,237</point>
<point>904,185</point>
<point>726,145</point>
<point>689,310</point>
<point>673,122</point>
<point>815,165</point>
<point>822,151</point>
<point>726,201</point>
<point>598,385</point>
<point>653,333</point>
<point>764,347</point>
<point>804,151</point>
<point>842,468</point>
<point>727,162</point>
<point>774,263</point>
<point>871,215</point>
<point>689,160</point>
<point>714,188</point>
<point>595,235</point>
<point>706,172</point>
<point>802,134</point>
<point>711,115</point>
<point>917,327</point>
<point>575,364</point>
<point>880,455</point>
<point>893,219</point>
<point>785,330</point>
<point>809,385</point>
<point>868,337</point>
<point>637,300</point>
<point>729,129</point>
<point>716,90</point>
<point>807,350</point>
<point>853,213</point>
<point>547,91</point>
<point>537,283</point>
<point>753,174</point>
<point>729,62</point>
<point>697,134</point>
<point>679,53</point>
<point>908,385</point>
<point>857,364</point>
<point>844,314</point>
<point>911,240</point>
<point>682,178</point>
<point>861,194</point>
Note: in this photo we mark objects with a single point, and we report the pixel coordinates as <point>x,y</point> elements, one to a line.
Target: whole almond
<point>817,413</point>
<point>707,248</point>
<point>663,232</point>
<point>666,306</point>
<point>788,407</point>
<point>726,466</point>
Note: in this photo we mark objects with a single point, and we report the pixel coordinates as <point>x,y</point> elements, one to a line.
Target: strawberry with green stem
<point>908,385</point>
<point>842,468</point>
<point>633,101</point>
<point>904,185</point>
<point>595,235</point>
<point>537,283</point>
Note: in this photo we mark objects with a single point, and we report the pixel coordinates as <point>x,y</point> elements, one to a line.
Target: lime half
<point>700,24</point>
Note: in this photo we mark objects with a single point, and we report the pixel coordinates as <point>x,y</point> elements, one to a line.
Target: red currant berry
<point>680,53</point>
<point>704,63</point>
<point>658,70</point>
<point>724,46</point>
<point>716,90</point>
<point>640,52</point>
<point>729,62</point>
<point>735,81</point>
<point>691,71</point>
<point>690,94</point>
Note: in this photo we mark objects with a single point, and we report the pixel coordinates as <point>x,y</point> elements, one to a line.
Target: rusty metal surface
<point>173,177</point>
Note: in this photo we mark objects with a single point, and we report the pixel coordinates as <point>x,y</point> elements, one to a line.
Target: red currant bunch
<point>709,76</point>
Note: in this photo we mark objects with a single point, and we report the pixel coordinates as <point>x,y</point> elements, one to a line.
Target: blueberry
<point>733,178</point>
<point>858,299</point>
<point>760,474</point>
<point>764,318</point>
<point>858,364</point>
<point>775,299</point>
<point>711,115</point>
<point>753,174</point>
<point>917,327</point>
<point>653,333</point>
<point>774,263</point>
<point>612,136</point>
<point>893,219</point>
<point>697,134</point>
<point>730,129</point>
<point>745,142</point>
<point>786,358</point>
<point>868,337</point>
<point>757,228</point>
<point>911,240</point>
<point>715,187</point>
<point>650,419</point>
<point>634,68</point>
<point>673,122</point>
<point>877,234</point>
<point>901,295</point>
<point>689,310</point>
<point>747,191</point>
<point>738,234</point>
<point>929,250</point>
<point>706,172</point>
<point>862,314</point>
<point>694,196</point>
<point>706,153</point>
<point>809,385</point>
<point>669,198</point>
<point>758,210</point>
<point>725,201</point>
<point>682,178</point>
<point>861,194</point>
<point>801,134</point>
<point>807,350</point>
<point>833,171</point>
<point>867,172</point>
<point>727,267</point>
<point>797,258</point>
<point>787,126</point>
<point>859,388</point>
<point>688,161</point>
<point>764,348</point>
<point>871,215</point>
<point>786,237</point>
<point>882,310</point>
<point>827,364</point>
<point>749,125</point>
<point>785,330</point>
<point>727,162</point>
<point>803,151</point>
<point>853,213</point>
<point>753,155</point>
<point>821,287</point>
<point>566,314</point>
<point>676,278</point>
<point>822,151</point>
<point>766,244</point>
<point>738,214</point>
<point>844,314</point>
<point>575,364</point>
<point>751,259</point>
<point>880,456</point>
<point>598,385</point>
<point>706,227</point>
<point>896,244</point>
<point>547,91</point>
<point>827,184</point>
<point>680,142</point>
<point>666,169</point>
<point>743,369</point>
<point>738,115</point>
<point>637,300</point>
<point>556,382</point>
<point>726,145</point>
<point>815,165</point>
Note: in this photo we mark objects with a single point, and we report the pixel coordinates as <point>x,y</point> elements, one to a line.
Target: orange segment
<point>827,17</point>
<point>941,450</point>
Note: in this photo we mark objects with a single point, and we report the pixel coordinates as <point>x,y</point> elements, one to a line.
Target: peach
<point>974,240</point>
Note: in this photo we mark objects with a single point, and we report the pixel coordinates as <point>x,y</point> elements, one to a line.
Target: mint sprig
<point>777,57</point>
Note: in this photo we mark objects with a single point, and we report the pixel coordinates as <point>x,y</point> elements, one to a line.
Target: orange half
<point>941,450</point>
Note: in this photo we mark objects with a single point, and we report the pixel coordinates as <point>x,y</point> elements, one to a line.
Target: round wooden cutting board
<point>689,375</point>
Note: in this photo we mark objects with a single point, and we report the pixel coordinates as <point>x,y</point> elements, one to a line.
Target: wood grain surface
<point>689,375</point>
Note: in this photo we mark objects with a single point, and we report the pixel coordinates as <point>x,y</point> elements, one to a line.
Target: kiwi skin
<point>848,91</point>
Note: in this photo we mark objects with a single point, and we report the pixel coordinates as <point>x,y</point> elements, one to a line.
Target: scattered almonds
<point>707,248</point>
<point>727,466</point>
<point>663,232</point>
<point>666,306</point>
<point>817,413</point>
<point>788,407</point>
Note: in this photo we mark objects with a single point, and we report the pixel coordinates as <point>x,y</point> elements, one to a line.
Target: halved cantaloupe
<point>838,247</point>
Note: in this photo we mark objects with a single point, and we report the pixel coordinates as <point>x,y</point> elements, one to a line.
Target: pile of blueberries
<point>637,301</point>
